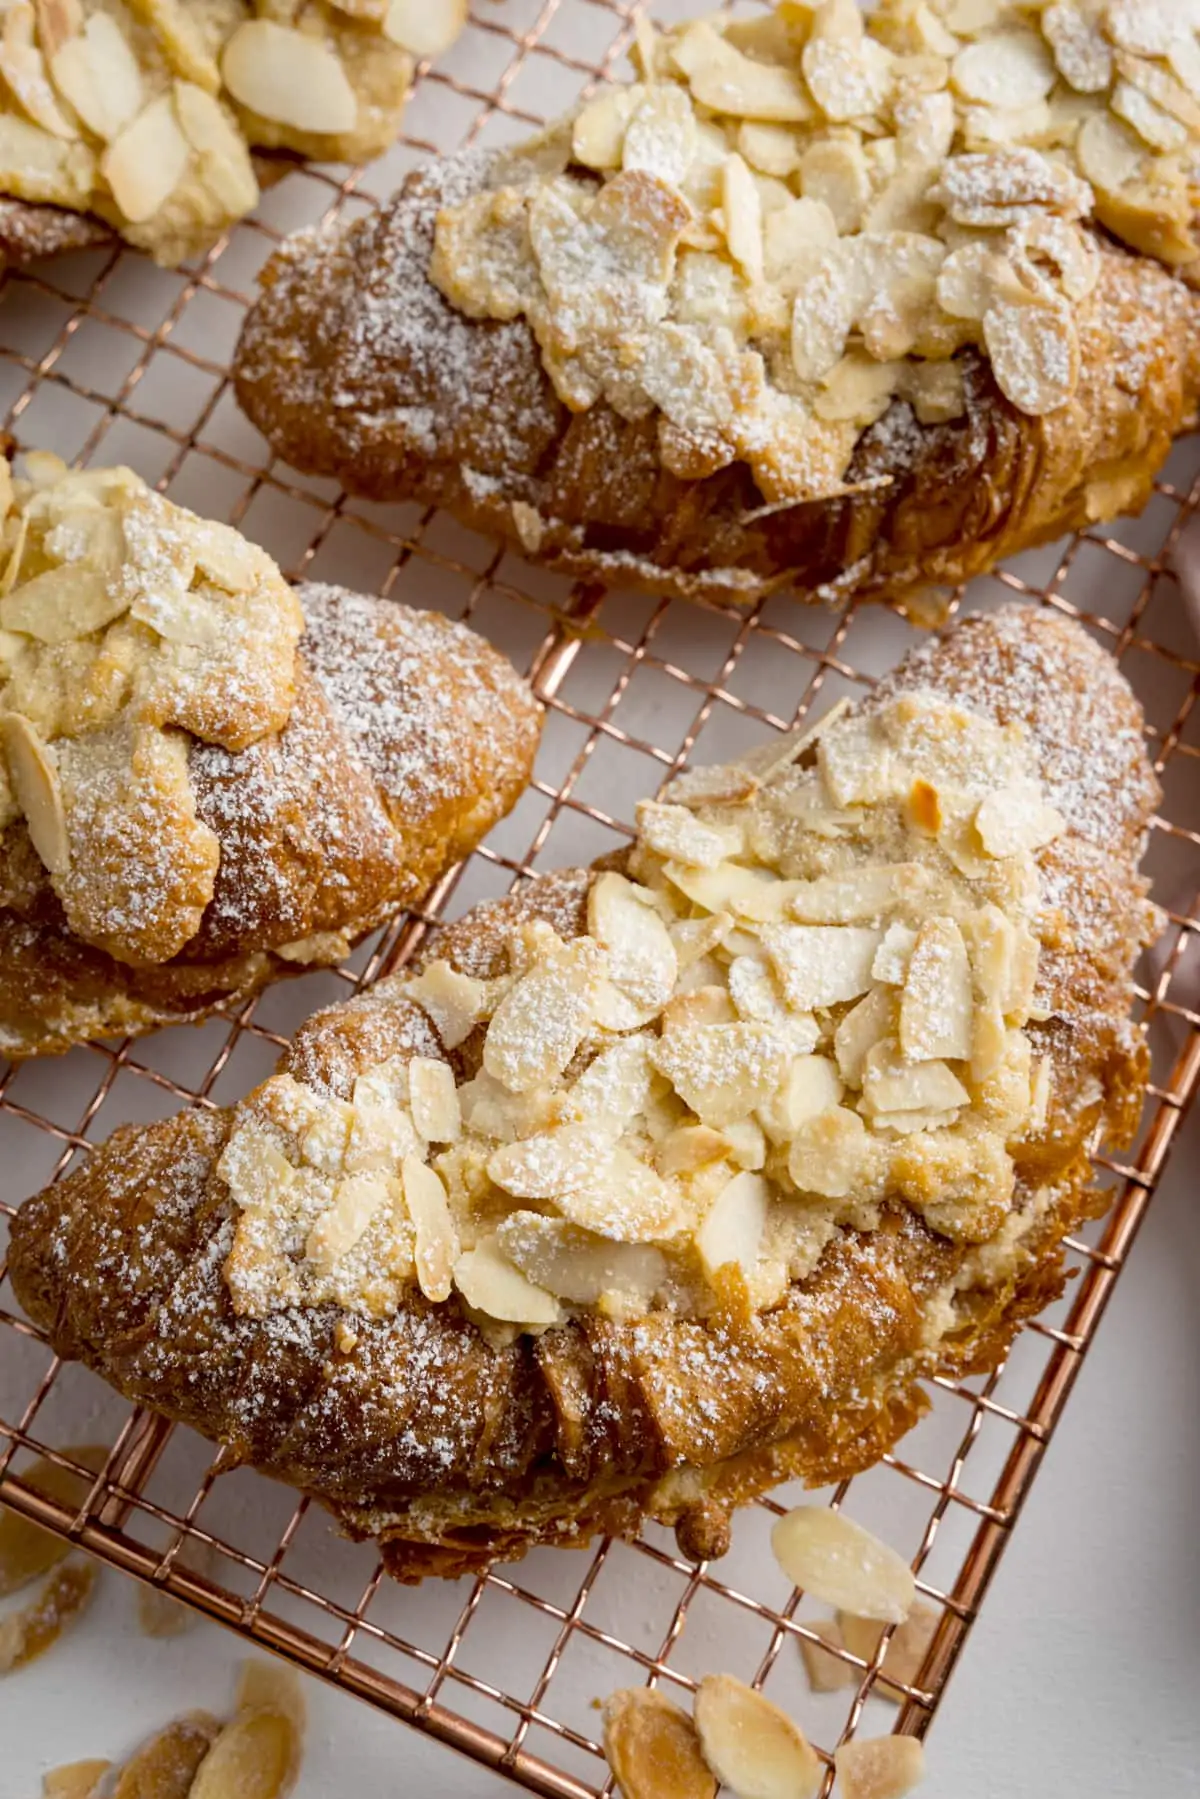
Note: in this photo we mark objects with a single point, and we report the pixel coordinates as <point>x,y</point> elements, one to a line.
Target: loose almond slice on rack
<point>75,1780</point>
<point>907,1646</point>
<point>835,1559</point>
<point>751,1746</point>
<point>166,1766</point>
<point>160,1615</point>
<point>826,1673</point>
<point>255,1757</point>
<point>653,1749</point>
<point>26,1634</point>
<point>879,1767</point>
<point>26,1550</point>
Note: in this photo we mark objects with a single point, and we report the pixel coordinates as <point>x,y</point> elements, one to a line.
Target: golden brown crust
<point>452,1451</point>
<point>408,738</point>
<point>354,365</point>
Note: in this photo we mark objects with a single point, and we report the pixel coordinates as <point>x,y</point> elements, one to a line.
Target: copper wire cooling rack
<point>105,358</point>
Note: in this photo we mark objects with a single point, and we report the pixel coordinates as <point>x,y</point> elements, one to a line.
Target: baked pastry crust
<point>453,1445</point>
<point>355,364</point>
<point>330,769</point>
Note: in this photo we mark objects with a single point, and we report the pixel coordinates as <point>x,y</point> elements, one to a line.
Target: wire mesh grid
<point>105,358</point>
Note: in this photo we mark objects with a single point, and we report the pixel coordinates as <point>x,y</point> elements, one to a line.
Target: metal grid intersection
<point>107,360</point>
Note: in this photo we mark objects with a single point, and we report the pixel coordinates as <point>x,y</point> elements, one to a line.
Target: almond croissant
<point>662,1183</point>
<point>206,781</point>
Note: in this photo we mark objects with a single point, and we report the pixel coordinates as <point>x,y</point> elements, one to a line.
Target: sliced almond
<point>661,137</point>
<point>653,1749</point>
<point>167,1766</point>
<point>722,78</point>
<point>826,1673</point>
<point>837,1561</point>
<point>732,1233</point>
<point>749,893</point>
<point>722,1071</point>
<point>879,1767</point>
<point>146,162</point>
<point>57,20</point>
<point>937,1002</point>
<point>289,77</point>
<point>455,1002</point>
<point>577,1265</point>
<point>1011,69</point>
<point>848,80</point>
<point>751,1746</point>
<point>832,1154</point>
<point>491,1284</point>
<point>753,991</point>
<point>598,134</point>
<point>907,1646</point>
<point>356,1201</point>
<point>1154,126</point>
<point>676,833</point>
<point>1015,819</point>
<point>742,212</point>
<point>554,1162</point>
<point>26,1550</point>
<point>890,1084</point>
<point>629,1202</point>
<point>821,965</point>
<point>810,1087</point>
<point>227,171</point>
<point>1081,52</point>
<point>75,1780</point>
<point>771,149</point>
<point>26,1634</point>
<point>616,1085</point>
<point>33,771</point>
<point>541,1021</point>
<point>41,168</point>
<point>253,1758</point>
<point>23,70</point>
<point>437,1250</point>
<point>61,605</point>
<point>183,39</point>
<point>98,73</point>
<point>422,30</point>
<point>641,962</point>
<point>433,1097</point>
<point>1034,351</point>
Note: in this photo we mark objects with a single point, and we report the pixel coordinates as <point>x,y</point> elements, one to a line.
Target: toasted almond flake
<point>907,1646</point>
<point>253,1758</point>
<point>937,1002</point>
<point>424,31</point>
<point>733,1228</point>
<point>491,1284</point>
<point>1011,69</point>
<point>641,962</point>
<point>541,1021</point>
<point>752,1747</point>
<point>57,20</point>
<point>577,1265</point>
<point>227,169</point>
<point>1109,155</point>
<point>753,991</point>
<point>27,1634</point>
<point>832,1154</point>
<point>26,1550</point>
<point>860,1030</point>
<point>166,1766</point>
<point>890,1084</point>
<point>98,73</point>
<point>271,1686</point>
<point>598,134</point>
<point>722,784</point>
<point>75,1780</point>
<point>145,164</point>
<point>1081,51</point>
<point>357,1199</point>
<point>253,1165</point>
<point>455,1002</point>
<point>61,605</point>
<point>771,149</point>
<point>1016,818</point>
<point>821,965</point>
<point>826,1673</point>
<point>288,77</point>
<point>1034,349</point>
<point>661,137</point>
<point>616,1085</point>
<point>879,1767</point>
<point>653,1749</point>
<point>630,1202</point>
<point>554,1162</point>
<point>722,78</point>
<point>837,1561</point>
<point>742,212</point>
<point>33,770</point>
<point>1154,126</point>
<point>437,1250</point>
<point>676,833</point>
<point>160,1615</point>
<point>1148,27</point>
<point>722,1071</point>
<point>433,1097</point>
<point>846,79</point>
<point>809,1088</point>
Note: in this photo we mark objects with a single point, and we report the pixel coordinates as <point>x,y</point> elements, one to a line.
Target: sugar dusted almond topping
<point>577,1265</point>
<point>653,1749</point>
<point>819,965</point>
<point>455,1002</point>
<point>722,78</point>
<point>879,1767</point>
<point>437,1250</point>
<point>288,77</point>
<point>422,30</point>
<point>732,1231</point>
<point>722,1071</point>
<point>96,71</point>
<point>937,1003</point>
<point>492,1284</point>
<point>26,1550</point>
<point>641,962</point>
<point>1016,818</point>
<point>28,1633</point>
<point>752,1746</point>
<point>33,770</point>
<point>166,1766</point>
<point>836,1560</point>
<point>436,1112</point>
<point>144,165</point>
<point>826,1673</point>
<point>540,1023</point>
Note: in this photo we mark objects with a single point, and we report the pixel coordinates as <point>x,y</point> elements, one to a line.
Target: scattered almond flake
<point>712,786</point>
<point>272,1686</point>
<point>833,1155</point>
<point>541,1021</point>
<point>28,1633</point>
<point>660,137</point>
<point>847,80</point>
<point>809,1088</point>
<point>455,1002</point>
<point>26,1550</point>
<point>553,1163</point>
<point>97,72</point>
<point>834,1559</point>
<point>630,1202</point>
<point>696,938</point>
<point>752,1747</point>
<point>879,1767</point>
<point>357,1199</point>
<point>434,1099</point>
<point>166,1766</point>
<point>753,991</point>
<point>732,1233</point>
<point>437,1248</point>
<point>253,1758</point>
<point>865,893</point>
<point>860,1029</point>
<point>491,1284</point>
<point>1016,818</point>
<point>598,132</point>
<point>159,1614</point>
<point>906,1651</point>
<point>653,1749</point>
<point>826,1673</point>
<point>892,1084</point>
<point>742,212</point>
<point>75,1780</point>
<point>1082,53</point>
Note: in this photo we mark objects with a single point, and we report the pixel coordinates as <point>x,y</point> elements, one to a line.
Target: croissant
<point>664,1182</point>
<point>207,781</point>
<point>863,307</point>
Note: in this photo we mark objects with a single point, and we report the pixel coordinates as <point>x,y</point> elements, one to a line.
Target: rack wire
<point>107,359</point>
